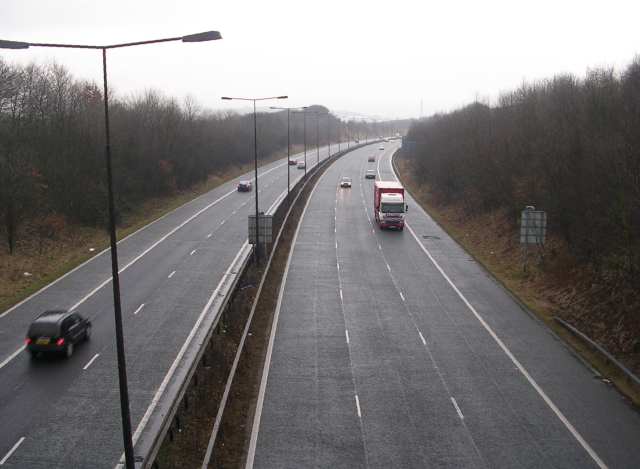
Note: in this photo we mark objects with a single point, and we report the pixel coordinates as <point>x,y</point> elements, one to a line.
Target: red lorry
<point>389,205</point>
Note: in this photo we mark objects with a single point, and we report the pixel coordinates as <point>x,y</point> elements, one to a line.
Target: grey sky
<point>371,57</point>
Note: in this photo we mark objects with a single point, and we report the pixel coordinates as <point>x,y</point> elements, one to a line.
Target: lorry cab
<point>389,204</point>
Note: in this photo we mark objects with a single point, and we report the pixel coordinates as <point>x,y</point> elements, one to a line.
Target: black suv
<point>57,331</point>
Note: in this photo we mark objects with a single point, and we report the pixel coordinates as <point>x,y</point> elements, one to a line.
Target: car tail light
<point>60,342</point>
<point>27,341</point>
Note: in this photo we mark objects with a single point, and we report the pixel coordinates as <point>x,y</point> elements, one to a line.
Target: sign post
<point>265,229</point>
<point>533,231</point>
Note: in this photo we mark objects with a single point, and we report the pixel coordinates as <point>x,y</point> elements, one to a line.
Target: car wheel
<point>68,351</point>
<point>87,333</point>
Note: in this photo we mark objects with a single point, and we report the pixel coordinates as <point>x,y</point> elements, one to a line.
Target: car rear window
<point>43,329</point>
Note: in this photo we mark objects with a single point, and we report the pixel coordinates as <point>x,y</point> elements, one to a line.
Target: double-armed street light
<point>289,109</point>
<point>318,114</point>
<point>255,159</point>
<point>303,110</point>
<point>122,368</point>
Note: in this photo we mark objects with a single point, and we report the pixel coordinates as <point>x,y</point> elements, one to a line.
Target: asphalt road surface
<point>66,413</point>
<point>395,349</point>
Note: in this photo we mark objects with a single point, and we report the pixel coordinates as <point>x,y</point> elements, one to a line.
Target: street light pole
<point>317,139</point>
<point>289,109</point>
<point>304,126</point>
<point>255,166</point>
<point>288,151</point>
<point>329,132</point>
<point>122,366</point>
<point>255,163</point>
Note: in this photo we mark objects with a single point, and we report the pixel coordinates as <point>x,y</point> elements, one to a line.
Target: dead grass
<point>556,287</point>
<point>37,262</point>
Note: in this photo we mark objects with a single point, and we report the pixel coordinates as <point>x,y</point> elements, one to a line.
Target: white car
<point>301,165</point>
<point>381,147</point>
<point>345,182</point>
<point>370,174</point>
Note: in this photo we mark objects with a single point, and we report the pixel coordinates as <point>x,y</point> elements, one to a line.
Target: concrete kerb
<point>159,422</point>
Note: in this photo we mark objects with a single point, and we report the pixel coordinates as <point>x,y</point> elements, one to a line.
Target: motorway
<point>66,413</point>
<point>396,349</point>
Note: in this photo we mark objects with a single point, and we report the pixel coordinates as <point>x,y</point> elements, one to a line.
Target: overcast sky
<point>369,57</point>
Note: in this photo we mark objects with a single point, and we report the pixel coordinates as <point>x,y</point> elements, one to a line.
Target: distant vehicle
<point>357,141</point>
<point>292,162</point>
<point>381,147</point>
<point>371,159</point>
<point>245,186</point>
<point>386,139</point>
<point>301,165</point>
<point>370,174</point>
<point>57,331</point>
<point>345,182</point>
<point>389,205</point>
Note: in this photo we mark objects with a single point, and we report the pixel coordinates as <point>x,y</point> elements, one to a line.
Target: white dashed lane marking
<point>422,338</point>
<point>91,361</point>
<point>139,308</point>
<point>172,274</point>
<point>11,451</point>
<point>455,404</point>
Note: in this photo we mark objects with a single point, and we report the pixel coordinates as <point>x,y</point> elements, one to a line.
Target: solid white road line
<point>11,451</point>
<point>455,404</point>
<point>91,361</point>
<point>346,333</point>
<point>139,308</point>
<point>178,359</point>
<point>512,357</point>
<point>267,362</point>
<point>341,297</point>
<point>424,342</point>
<point>92,292</point>
<point>143,253</point>
<point>358,407</point>
<point>12,356</point>
<point>402,296</point>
